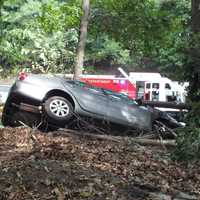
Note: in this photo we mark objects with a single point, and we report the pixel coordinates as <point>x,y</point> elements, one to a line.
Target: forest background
<point>42,35</point>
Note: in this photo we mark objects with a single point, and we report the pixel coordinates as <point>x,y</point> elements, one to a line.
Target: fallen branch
<point>148,136</point>
<point>118,139</point>
<point>169,143</point>
<point>72,133</point>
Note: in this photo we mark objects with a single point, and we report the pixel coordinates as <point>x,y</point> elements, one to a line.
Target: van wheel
<point>58,110</point>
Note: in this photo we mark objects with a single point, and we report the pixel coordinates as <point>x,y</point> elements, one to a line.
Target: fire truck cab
<point>158,91</point>
<point>154,87</point>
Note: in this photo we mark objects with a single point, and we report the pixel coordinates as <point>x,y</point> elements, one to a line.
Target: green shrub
<point>188,145</point>
<point>188,139</point>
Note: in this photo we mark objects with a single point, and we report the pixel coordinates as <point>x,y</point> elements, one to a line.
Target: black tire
<point>58,110</point>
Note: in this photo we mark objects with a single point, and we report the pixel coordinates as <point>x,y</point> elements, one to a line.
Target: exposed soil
<point>62,165</point>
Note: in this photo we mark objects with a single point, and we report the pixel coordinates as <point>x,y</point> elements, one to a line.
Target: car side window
<point>115,97</point>
<point>94,90</point>
<point>119,96</point>
<point>112,94</point>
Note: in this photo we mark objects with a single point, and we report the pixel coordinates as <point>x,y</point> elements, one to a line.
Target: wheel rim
<point>59,108</point>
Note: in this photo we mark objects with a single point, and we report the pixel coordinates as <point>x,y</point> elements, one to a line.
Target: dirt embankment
<point>62,165</point>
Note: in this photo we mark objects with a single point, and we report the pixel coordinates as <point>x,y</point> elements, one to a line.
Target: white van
<point>154,87</point>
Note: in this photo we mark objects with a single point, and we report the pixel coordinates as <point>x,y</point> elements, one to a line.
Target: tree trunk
<point>194,54</point>
<point>195,25</point>
<point>82,39</point>
<point>1,22</point>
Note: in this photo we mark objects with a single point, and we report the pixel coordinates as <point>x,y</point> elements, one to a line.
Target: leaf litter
<point>63,165</point>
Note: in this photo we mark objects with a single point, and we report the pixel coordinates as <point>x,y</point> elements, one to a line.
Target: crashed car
<point>56,101</point>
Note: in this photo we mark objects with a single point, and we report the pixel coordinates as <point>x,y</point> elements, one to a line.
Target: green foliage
<point>57,16</point>
<point>105,48</point>
<point>40,35</point>
<point>171,54</point>
<point>188,145</point>
<point>149,30</point>
<point>49,52</point>
<point>126,21</point>
<point>188,140</point>
<point>123,32</point>
<point>194,115</point>
<point>191,69</point>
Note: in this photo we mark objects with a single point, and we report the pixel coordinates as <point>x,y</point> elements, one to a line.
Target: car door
<point>91,99</point>
<point>126,112</point>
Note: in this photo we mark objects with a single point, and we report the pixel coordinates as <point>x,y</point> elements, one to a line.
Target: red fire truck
<point>140,85</point>
<point>119,85</point>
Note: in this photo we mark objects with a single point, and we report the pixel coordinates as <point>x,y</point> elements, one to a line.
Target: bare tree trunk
<point>82,39</point>
<point>195,25</point>
<point>194,54</point>
<point>1,23</point>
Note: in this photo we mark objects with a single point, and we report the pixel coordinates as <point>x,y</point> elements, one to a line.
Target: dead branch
<point>72,133</point>
<point>166,143</point>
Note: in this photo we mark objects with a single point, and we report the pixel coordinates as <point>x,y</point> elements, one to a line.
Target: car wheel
<point>59,110</point>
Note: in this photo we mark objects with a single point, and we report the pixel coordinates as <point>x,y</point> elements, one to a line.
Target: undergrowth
<point>188,139</point>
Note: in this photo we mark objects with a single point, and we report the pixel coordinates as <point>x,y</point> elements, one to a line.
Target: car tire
<point>58,110</point>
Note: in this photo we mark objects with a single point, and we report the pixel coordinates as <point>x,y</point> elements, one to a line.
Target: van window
<point>167,86</point>
<point>156,85</point>
<point>148,85</point>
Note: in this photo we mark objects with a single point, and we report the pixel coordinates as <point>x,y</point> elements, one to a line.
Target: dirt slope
<point>61,165</point>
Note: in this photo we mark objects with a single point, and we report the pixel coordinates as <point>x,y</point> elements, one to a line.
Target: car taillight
<point>22,76</point>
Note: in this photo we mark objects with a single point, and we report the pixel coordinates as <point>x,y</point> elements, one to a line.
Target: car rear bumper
<point>18,101</point>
